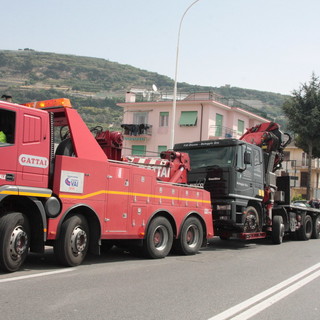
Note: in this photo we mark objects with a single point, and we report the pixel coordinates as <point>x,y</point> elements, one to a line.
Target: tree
<point>303,112</point>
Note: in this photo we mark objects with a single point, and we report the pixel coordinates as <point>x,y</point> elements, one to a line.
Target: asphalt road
<point>227,280</point>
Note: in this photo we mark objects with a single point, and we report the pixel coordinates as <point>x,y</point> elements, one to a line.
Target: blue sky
<point>269,45</point>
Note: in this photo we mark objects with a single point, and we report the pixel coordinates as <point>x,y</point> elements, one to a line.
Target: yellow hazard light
<point>53,103</point>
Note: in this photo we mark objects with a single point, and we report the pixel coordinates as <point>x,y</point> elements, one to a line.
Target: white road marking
<point>273,299</point>
<point>43,274</point>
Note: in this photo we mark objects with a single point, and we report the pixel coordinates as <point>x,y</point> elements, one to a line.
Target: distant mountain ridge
<point>95,85</point>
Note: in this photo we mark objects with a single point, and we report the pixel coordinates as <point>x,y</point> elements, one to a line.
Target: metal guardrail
<point>193,96</point>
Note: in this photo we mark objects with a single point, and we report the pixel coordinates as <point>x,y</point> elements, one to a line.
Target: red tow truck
<point>64,186</point>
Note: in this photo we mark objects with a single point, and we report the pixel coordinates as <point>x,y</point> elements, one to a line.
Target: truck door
<point>8,146</point>
<point>117,215</point>
<point>245,176</point>
<point>33,149</point>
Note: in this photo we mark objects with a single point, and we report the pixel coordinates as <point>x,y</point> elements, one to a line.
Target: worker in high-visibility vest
<point>3,137</point>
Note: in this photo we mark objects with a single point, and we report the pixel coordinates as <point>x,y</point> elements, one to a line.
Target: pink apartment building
<point>199,116</point>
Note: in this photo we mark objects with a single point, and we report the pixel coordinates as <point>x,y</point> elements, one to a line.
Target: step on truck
<point>65,186</point>
<point>248,200</point>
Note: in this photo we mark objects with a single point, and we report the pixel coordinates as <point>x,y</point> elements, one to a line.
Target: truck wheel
<point>277,229</point>
<point>191,237</point>
<point>14,241</point>
<point>72,245</point>
<point>305,231</point>
<point>252,221</point>
<point>158,241</point>
<point>316,228</point>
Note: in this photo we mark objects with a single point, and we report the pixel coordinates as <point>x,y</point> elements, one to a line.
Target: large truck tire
<point>305,231</point>
<point>252,220</point>
<point>316,227</point>
<point>14,241</point>
<point>159,239</point>
<point>72,244</point>
<point>277,230</point>
<point>191,237</point>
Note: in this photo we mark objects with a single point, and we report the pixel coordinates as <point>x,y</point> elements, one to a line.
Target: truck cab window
<point>208,157</point>
<point>240,158</point>
<point>7,127</point>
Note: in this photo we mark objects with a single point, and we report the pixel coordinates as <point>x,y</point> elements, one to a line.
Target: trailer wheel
<point>305,231</point>
<point>252,221</point>
<point>316,228</point>
<point>14,241</point>
<point>158,241</point>
<point>72,245</point>
<point>191,237</point>
<point>277,229</point>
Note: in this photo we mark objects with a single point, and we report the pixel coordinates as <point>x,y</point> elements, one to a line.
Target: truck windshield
<point>207,157</point>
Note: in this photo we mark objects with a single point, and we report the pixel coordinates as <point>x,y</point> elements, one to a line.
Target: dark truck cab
<point>233,171</point>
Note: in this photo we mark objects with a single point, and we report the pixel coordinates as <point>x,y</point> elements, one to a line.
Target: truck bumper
<point>228,216</point>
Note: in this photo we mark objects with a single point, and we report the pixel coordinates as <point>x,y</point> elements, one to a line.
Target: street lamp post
<point>174,104</point>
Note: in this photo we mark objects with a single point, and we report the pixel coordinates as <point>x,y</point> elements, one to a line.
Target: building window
<point>286,155</point>
<point>219,123</point>
<point>304,159</point>
<point>188,118</point>
<point>303,179</point>
<point>138,150</point>
<point>240,127</point>
<point>162,148</point>
<point>164,119</point>
<point>140,118</point>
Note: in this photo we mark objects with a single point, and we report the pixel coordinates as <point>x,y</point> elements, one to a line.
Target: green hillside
<point>95,85</point>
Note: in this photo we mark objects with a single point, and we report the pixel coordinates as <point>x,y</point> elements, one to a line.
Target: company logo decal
<point>33,161</point>
<point>71,181</point>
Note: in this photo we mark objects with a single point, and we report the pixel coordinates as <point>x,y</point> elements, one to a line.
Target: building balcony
<point>300,165</point>
<point>136,131</point>
<point>220,132</point>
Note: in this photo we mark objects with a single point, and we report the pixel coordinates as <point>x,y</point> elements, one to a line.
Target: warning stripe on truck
<point>89,195</point>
